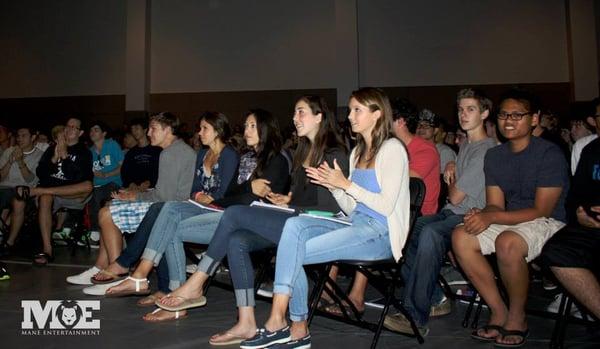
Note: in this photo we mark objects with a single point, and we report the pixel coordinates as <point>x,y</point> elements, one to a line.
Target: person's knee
<point>293,225</point>
<point>104,216</point>
<point>460,240</point>
<point>510,247</point>
<point>45,201</point>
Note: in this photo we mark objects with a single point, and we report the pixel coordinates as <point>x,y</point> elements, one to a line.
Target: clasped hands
<point>476,221</point>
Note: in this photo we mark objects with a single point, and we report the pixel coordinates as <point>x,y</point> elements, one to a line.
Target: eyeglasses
<point>513,116</point>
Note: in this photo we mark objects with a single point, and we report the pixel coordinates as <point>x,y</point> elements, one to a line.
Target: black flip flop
<point>475,334</point>
<point>517,333</point>
<point>46,257</point>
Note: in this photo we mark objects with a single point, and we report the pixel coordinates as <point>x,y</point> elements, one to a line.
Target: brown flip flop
<point>113,277</point>
<point>177,316</point>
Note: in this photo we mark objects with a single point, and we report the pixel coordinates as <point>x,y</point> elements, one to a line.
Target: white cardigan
<point>393,202</point>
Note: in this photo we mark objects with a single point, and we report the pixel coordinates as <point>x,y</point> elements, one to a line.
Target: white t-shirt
<point>577,148</point>
<point>15,177</point>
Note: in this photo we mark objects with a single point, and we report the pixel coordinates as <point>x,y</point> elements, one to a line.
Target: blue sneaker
<point>265,338</point>
<point>302,343</point>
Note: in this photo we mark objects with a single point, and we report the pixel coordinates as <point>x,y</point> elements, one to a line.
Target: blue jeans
<point>177,223</point>
<point>136,243</point>
<point>307,240</point>
<point>424,255</point>
<point>243,229</point>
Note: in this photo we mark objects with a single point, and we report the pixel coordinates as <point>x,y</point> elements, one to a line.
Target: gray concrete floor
<point>122,327</point>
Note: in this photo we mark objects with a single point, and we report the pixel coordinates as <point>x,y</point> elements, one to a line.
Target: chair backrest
<point>417,196</point>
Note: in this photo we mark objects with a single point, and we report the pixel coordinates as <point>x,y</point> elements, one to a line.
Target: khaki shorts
<point>535,233</point>
<point>75,204</point>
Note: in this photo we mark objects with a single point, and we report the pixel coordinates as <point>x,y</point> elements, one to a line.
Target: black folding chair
<point>383,275</point>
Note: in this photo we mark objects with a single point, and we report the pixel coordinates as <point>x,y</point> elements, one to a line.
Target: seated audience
<point>65,175</point>
<point>140,165</point>
<point>262,169</point>
<point>581,128</point>
<point>6,138</point>
<point>18,166</point>
<point>423,158</point>
<point>572,254</point>
<point>107,158</point>
<point>547,130</point>
<point>431,236</point>
<point>374,196</point>
<point>526,181</point>
<point>429,128</point>
<point>128,207</point>
<point>243,229</point>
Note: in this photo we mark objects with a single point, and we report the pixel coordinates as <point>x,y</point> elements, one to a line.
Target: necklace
<point>29,152</point>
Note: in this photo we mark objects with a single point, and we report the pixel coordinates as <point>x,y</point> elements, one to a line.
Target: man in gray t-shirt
<point>430,239</point>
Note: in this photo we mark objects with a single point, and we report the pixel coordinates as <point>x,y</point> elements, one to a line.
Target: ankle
<point>299,330</point>
<point>275,324</point>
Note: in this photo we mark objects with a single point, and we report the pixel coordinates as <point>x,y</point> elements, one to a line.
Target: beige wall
<point>62,48</point>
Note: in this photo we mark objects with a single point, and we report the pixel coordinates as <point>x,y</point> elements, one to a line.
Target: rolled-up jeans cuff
<point>282,289</point>
<point>208,265</point>
<point>173,285</point>
<point>298,318</point>
<point>245,297</point>
<point>151,255</point>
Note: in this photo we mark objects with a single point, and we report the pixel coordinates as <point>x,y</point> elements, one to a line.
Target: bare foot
<point>113,268</point>
<point>495,319</point>
<point>163,315</point>
<point>151,299</point>
<point>186,291</point>
<point>237,331</point>
<point>127,285</point>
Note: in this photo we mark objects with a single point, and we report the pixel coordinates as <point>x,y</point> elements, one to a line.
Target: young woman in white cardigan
<point>376,197</point>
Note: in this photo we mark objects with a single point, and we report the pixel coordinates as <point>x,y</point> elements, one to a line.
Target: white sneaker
<point>94,235</point>
<point>100,290</point>
<point>266,290</point>
<point>554,306</point>
<point>83,278</point>
<point>191,268</point>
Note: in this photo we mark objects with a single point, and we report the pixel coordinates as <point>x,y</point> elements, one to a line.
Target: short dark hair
<point>31,129</point>
<point>139,121</point>
<point>169,119</point>
<point>103,127</point>
<point>81,124</point>
<point>484,102</point>
<point>403,108</point>
<point>528,99</point>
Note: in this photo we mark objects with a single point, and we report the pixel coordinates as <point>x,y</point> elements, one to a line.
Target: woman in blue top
<point>243,229</point>
<point>375,196</point>
<point>262,168</point>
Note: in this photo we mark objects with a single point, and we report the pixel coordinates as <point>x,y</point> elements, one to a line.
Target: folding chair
<point>383,275</point>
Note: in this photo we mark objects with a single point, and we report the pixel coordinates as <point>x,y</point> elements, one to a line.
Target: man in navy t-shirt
<point>526,182</point>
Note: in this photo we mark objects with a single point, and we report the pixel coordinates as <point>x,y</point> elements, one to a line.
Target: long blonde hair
<point>375,99</point>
